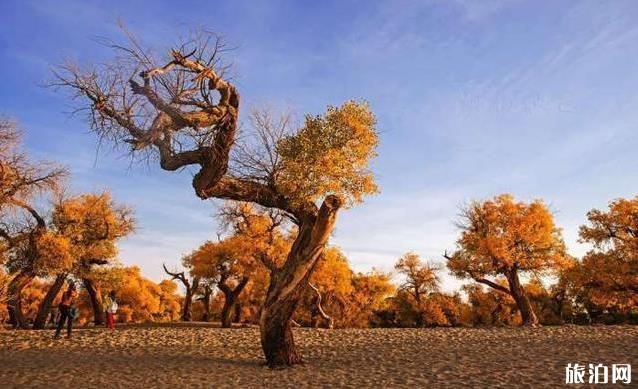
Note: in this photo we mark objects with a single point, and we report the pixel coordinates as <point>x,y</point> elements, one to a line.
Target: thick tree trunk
<point>288,283</point>
<point>14,298</point>
<point>522,300</point>
<point>45,306</point>
<point>276,335</point>
<point>95,296</point>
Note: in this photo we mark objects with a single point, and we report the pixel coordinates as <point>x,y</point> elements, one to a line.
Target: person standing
<point>67,311</point>
<point>110,307</point>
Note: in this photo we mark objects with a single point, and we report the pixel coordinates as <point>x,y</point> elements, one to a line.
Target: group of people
<point>68,311</point>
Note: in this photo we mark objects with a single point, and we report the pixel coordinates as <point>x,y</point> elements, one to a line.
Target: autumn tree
<point>92,224</point>
<point>28,248</point>
<point>608,274</point>
<point>504,237</point>
<point>420,280</point>
<point>219,264</point>
<point>183,110</point>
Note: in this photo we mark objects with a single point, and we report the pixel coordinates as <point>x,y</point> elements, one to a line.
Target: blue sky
<point>473,98</point>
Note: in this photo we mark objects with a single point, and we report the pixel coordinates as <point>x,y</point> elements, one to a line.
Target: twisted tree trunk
<point>288,283</point>
<point>14,298</point>
<point>45,306</point>
<point>522,300</point>
<point>230,299</point>
<point>95,296</point>
<point>191,288</point>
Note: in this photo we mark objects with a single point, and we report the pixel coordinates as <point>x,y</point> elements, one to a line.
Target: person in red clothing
<point>67,311</point>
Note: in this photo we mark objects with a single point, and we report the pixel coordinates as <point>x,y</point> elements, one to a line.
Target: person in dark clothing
<point>66,314</point>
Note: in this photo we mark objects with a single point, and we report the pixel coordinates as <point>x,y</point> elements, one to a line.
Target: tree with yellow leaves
<point>607,277</point>
<point>29,249</point>
<point>420,281</point>
<point>504,237</point>
<point>308,173</point>
<point>222,264</point>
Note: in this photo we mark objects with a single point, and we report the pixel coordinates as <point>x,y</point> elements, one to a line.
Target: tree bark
<point>45,306</point>
<point>95,296</point>
<point>14,298</point>
<point>522,300</point>
<point>288,283</point>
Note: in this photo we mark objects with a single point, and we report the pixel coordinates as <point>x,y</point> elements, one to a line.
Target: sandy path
<point>214,357</point>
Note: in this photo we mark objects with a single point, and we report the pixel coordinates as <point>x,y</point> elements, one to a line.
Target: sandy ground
<point>201,356</point>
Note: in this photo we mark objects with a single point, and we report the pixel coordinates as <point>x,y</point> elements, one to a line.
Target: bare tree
<point>191,287</point>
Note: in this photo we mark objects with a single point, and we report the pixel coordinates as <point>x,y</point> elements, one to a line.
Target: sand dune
<point>201,356</point>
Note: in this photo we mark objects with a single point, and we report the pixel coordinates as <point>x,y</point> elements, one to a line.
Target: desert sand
<point>203,356</point>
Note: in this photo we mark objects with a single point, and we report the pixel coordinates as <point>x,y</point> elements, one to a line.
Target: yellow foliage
<point>502,234</point>
<point>53,254</point>
<point>32,295</point>
<point>421,278</point>
<point>333,275</point>
<point>92,223</point>
<point>490,307</point>
<point>330,155</point>
<point>608,275</point>
<point>370,291</point>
